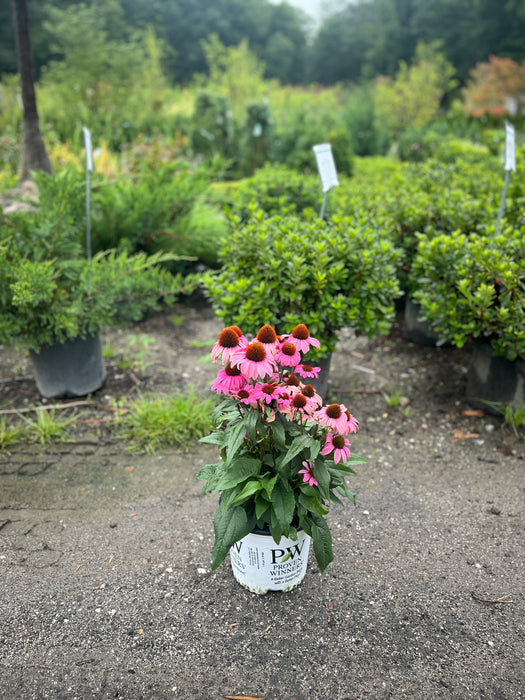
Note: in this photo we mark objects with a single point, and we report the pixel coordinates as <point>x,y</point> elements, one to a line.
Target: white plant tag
<point>89,150</point>
<point>510,147</point>
<point>326,166</point>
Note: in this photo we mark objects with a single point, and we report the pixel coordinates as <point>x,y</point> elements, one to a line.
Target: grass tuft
<point>170,421</point>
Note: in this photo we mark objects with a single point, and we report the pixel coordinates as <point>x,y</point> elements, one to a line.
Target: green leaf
<point>216,438</point>
<point>356,459</point>
<point>299,443</point>
<point>278,432</point>
<point>312,503</point>
<point>322,541</point>
<point>250,423</point>
<point>268,484</point>
<point>261,506</point>
<point>322,476</point>
<point>235,473</point>
<point>236,437</point>
<point>283,504</point>
<point>230,526</point>
<point>249,489</point>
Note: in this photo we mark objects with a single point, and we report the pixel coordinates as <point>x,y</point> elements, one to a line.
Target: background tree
<point>413,98</point>
<point>34,153</point>
<point>496,87</point>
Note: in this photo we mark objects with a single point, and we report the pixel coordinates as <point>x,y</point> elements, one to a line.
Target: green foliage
<point>285,270</point>
<point>47,427</point>
<point>8,435</point>
<point>303,119</point>
<point>474,288</point>
<point>49,292</point>
<point>255,138</point>
<point>153,209</point>
<point>172,421</point>
<point>276,189</point>
<point>413,98</point>
<point>213,127</point>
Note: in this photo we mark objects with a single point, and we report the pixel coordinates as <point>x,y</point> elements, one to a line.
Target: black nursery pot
<point>495,379</point>
<point>71,369</point>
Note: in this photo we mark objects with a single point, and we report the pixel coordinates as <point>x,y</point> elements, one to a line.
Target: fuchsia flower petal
<point>339,445</point>
<point>308,473</point>
<point>287,355</point>
<point>301,338</point>
<point>253,361</point>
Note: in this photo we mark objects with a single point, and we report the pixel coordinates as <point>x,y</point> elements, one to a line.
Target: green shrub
<point>213,126</point>
<point>327,274</point>
<point>276,189</point>
<point>474,287</point>
<point>138,211</point>
<point>255,138</point>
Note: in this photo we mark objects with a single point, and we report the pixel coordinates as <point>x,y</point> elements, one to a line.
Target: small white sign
<point>510,147</point>
<point>326,166</point>
<point>89,150</point>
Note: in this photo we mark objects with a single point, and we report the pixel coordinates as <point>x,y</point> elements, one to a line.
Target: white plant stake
<point>89,169</point>
<point>327,170</point>
<point>510,164</point>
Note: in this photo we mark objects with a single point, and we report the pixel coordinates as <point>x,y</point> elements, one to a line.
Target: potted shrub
<point>472,289</point>
<point>284,459</point>
<point>54,301</point>
<point>326,274</point>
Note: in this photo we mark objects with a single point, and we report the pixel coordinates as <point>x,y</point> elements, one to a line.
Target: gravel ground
<point>107,590</point>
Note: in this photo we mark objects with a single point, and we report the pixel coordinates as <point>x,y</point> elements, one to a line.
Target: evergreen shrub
<point>284,270</point>
<point>473,287</point>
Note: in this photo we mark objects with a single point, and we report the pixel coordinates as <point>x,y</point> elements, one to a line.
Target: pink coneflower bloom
<point>253,361</point>
<point>308,473</point>
<point>288,355</point>
<point>353,423</point>
<point>268,392</point>
<point>314,400</point>
<point>229,380</point>
<point>246,395</point>
<point>230,340</point>
<point>301,338</point>
<point>339,445</point>
<point>299,404</point>
<point>335,417</point>
<point>268,339</point>
<point>307,371</point>
<point>284,402</point>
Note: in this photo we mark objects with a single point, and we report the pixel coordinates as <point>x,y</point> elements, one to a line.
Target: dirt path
<point>105,556</point>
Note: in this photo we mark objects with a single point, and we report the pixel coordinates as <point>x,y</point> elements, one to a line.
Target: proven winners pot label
<point>261,565</point>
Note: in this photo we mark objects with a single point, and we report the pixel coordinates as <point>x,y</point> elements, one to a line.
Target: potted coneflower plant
<point>284,458</point>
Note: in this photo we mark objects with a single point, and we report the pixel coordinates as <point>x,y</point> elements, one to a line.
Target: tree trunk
<point>34,154</point>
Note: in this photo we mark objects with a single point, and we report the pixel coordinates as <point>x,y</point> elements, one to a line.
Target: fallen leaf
<point>462,435</point>
<point>129,469</point>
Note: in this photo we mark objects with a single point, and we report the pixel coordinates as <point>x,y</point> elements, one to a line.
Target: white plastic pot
<point>261,565</point>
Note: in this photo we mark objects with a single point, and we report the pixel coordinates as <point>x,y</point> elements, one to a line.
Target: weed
<point>140,353</point>
<point>8,436</point>
<point>47,427</point>
<point>178,421</point>
<point>109,352</point>
<point>201,343</point>
<point>393,399</point>
<point>514,417</point>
